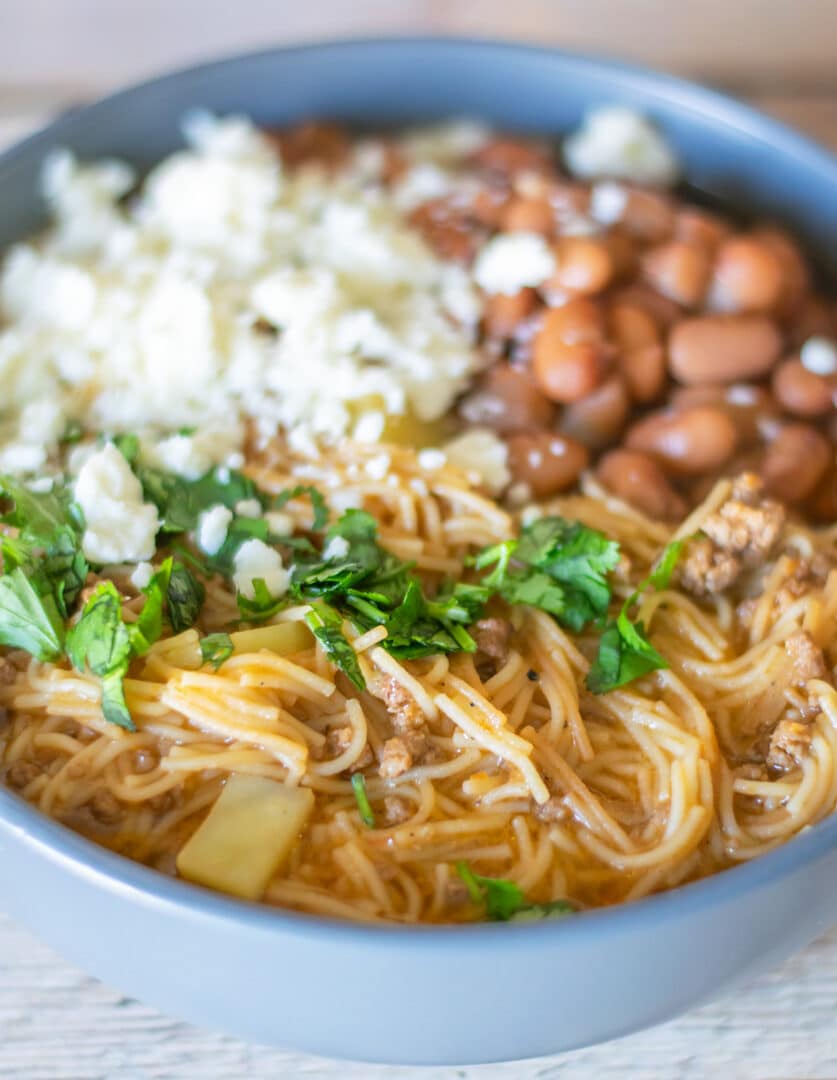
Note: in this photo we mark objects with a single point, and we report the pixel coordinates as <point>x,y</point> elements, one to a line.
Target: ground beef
<point>554,809</point>
<point>21,774</point>
<point>401,705</point>
<point>106,808</point>
<point>806,657</point>
<point>396,809</point>
<point>401,752</point>
<point>396,758</point>
<point>738,536</point>
<point>789,744</point>
<point>492,637</point>
<point>8,672</point>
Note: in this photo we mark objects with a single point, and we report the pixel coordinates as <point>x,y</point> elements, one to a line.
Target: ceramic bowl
<point>425,995</point>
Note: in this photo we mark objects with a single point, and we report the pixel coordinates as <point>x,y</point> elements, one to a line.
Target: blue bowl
<point>425,995</point>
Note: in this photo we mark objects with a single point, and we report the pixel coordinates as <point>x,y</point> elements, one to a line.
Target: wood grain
<point>57,1023</point>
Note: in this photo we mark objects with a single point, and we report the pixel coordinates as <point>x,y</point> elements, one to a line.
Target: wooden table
<point>56,1023</point>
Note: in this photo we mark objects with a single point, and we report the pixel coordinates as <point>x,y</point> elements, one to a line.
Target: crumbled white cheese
<point>483,456</point>
<point>378,466</point>
<point>513,261</point>
<point>530,514</point>
<point>370,426</point>
<point>190,456</point>
<point>254,560</point>
<point>819,356</point>
<point>42,485</point>
<point>608,202</point>
<point>213,525</point>
<point>144,316</point>
<point>431,459</point>
<point>346,499</point>
<point>249,508</point>
<point>336,548</point>
<point>119,526</point>
<point>279,524</point>
<point>142,575</point>
<point>617,142</point>
<point>447,143</point>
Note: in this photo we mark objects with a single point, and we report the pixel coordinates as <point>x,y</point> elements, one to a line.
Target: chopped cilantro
<point>215,649</point>
<point>327,627</point>
<point>101,642</point>
<point>180,502</point>
<point>29,615</point>
<point>505,901</point>
<point>318,503</point>
<point>128,446</point>
<point>556,565</point>
<point>367,815</point>
<point>625,653</point>
<point>184,597</point>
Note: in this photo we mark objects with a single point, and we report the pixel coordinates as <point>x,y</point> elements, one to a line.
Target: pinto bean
<point>796,461</point>
<point>316,141</point>
<point>700,227</point>
<point>647,215</point>
<point>448,229</point>
<point>640,354</point>
<point>503,314</point>
<point>796,279</point>
<point>598,419</point>
<point>678,270</point>
<point>802,392</point>
<point>663,311</point>
<point>504,157</point>
<point>584,265</point>
<point>534,215</point>
<point>638,479</point>
<point>748,406</point>
<point>748,276</point>
<point>545,462</point>
<point>508,401</point>
<point>723,348</point>
<point>686,441</point>
<point>570,355</point>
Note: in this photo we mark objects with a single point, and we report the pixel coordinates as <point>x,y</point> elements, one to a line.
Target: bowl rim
<point>134,882</point>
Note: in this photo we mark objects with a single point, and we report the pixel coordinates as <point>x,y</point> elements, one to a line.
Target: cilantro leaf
<point>505,901</point>
<point>30,618</point>
<point>128,446</point>
<point>556,565</point>
<point>625,653</point>
<point>318,503</point>
<point>327,627</point>
<point>149,625</point>
<point>262,604</point>
<point>215,649</point>
<point>184,597</point>
<point>100,642</point>
<point>50,526</point>
<point>367,814</point>
<point>180,502</point>
<point>502,899</point>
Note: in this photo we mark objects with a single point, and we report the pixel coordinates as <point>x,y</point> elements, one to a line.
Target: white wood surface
<point>56,1023</point>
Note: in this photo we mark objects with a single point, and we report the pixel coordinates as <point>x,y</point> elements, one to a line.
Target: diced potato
<point>248,834</point>
<point>282,638</point>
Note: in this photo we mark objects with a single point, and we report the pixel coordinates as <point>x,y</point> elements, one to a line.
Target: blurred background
<point>779,52</point>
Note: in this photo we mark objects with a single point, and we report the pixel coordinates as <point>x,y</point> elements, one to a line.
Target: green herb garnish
<point>327,627</point>
<point>100,641</point>
<point>505,901</point>
<point>215,649</point>
<point>558,566</point>
<point>367,814</point>
<point>625,653</point>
